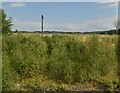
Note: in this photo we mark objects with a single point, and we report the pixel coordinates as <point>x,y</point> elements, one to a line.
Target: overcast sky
<point>62,16</point>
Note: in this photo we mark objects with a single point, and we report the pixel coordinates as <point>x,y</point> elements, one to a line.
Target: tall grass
<point>64,59</point>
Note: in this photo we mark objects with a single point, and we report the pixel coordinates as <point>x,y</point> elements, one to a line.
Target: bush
<point>62,58</point>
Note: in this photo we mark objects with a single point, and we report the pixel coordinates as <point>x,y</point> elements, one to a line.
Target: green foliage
<point>61,58</point>
<point>6,24</point>
<point>0,20</point>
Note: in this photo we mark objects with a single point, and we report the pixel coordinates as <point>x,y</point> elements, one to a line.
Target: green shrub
<point>62,58</point>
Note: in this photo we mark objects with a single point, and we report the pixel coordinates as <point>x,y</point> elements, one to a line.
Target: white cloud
<point>25,25</point>
<point>86,25</point>
<point>104,1</point>
<point>17,4</point>
<point>60,0</point>
<point>98,24</point>
<point>108,4</point>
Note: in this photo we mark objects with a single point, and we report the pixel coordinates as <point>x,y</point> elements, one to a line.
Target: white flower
<point>113,44</point>
<point>18,85</point>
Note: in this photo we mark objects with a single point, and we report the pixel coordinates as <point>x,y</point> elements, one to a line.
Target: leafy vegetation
<point>5,23</point>
<point>60,61</point>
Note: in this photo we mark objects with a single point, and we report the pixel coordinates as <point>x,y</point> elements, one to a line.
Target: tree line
<point>6,24</point>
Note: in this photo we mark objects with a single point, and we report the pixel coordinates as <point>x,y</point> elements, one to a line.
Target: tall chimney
<point>42,23</point>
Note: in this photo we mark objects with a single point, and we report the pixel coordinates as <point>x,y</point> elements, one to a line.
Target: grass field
<point>59,62</point>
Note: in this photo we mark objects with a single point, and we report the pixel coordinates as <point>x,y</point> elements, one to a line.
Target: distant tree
<point>6,23</point>
<point>16,30</point>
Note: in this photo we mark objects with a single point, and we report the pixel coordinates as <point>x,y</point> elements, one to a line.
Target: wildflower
<point>18,86</point>
<point>100,40</point>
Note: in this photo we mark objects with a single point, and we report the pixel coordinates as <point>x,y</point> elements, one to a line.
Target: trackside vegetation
<point>59,62</point>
